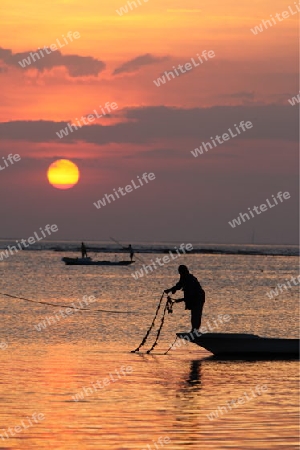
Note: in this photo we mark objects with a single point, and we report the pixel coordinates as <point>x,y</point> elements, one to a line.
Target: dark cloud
<point>153,124</point>
<point>77,66</point>
<point>135,64</point>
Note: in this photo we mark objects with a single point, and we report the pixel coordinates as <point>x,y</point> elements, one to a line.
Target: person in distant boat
<point>194,295</point>
<point>83,250</point>
<point>131,252</point>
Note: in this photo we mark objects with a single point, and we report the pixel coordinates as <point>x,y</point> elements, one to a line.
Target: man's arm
<point>175,288</point>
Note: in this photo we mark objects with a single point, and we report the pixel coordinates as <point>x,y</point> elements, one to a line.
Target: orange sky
<point>166,30</point>
<point>248,71</point>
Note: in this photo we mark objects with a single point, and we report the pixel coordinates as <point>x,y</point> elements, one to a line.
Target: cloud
<point>135,64</point>
<point>148,125</point>
<point>77,66</point>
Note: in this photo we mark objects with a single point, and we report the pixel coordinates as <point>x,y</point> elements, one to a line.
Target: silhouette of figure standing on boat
<point>83,250</point>
<point>194,295</point>
<point>131,252</point>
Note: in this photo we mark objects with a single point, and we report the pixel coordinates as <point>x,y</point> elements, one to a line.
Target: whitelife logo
<point>64,313</point>
<point>129,188</point>
<point>124,9</point>
<point>10,160</point>
<point>225,136</point>
<point>111,378</point>
<point>160,443</point>
<point>267,23</point>
<point>86,119</point>
<point>188,66</point>
<point>294,100</point>
<point>191,336</point>
<point>259,390</point>
<point>53,47</point>
<point>161,261</point>
<point>259,209</point>
<point>3,345</point>
<point>273,293</point>
<point>31,240</point>
<point>24,425</point>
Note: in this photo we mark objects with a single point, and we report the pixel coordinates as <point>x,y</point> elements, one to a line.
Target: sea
<point>69,380</point>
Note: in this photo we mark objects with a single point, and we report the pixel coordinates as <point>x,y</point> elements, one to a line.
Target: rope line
<point>168,307</point>
<point>68,306</point>
<point>171,346</point>
<point>151,326</point>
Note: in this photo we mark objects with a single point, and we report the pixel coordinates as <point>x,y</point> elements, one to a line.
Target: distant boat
<point>243,345</point>
<point>89,262</point>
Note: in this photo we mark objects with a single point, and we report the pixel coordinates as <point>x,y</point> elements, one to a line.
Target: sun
<point>63,174</point>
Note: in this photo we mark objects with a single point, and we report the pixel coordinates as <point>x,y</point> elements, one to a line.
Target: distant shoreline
<point>192,252</point>
<point>144,247</point>
<point>198,249</point>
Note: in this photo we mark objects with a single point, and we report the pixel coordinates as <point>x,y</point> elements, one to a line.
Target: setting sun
<point>63,174</point>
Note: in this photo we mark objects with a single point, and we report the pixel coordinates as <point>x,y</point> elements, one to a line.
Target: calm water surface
<point>128,401</point>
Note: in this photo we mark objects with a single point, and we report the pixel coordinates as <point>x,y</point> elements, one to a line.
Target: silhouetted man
<point>83,250</point>
<point>131,252</point>
<point>194,295</point>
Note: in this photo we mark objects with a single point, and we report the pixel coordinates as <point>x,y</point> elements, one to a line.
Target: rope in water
<point>68,306</point>
<point>168,307</point>
<point>151,326</point>
<point>171,346</point>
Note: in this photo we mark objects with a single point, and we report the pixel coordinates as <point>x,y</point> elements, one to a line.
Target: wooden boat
<point>241,345</point>
<point>90,262</point>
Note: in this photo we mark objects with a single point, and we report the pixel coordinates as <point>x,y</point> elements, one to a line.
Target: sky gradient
<point>115,59</point>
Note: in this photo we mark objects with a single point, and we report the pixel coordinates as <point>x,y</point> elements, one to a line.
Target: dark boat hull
<point>90,262</point>
<point>240,345</point>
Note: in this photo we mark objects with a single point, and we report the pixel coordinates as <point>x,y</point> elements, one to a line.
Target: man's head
<point>183,270</point>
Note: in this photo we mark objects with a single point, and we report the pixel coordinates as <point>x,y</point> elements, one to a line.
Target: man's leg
<point>196,316</point>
